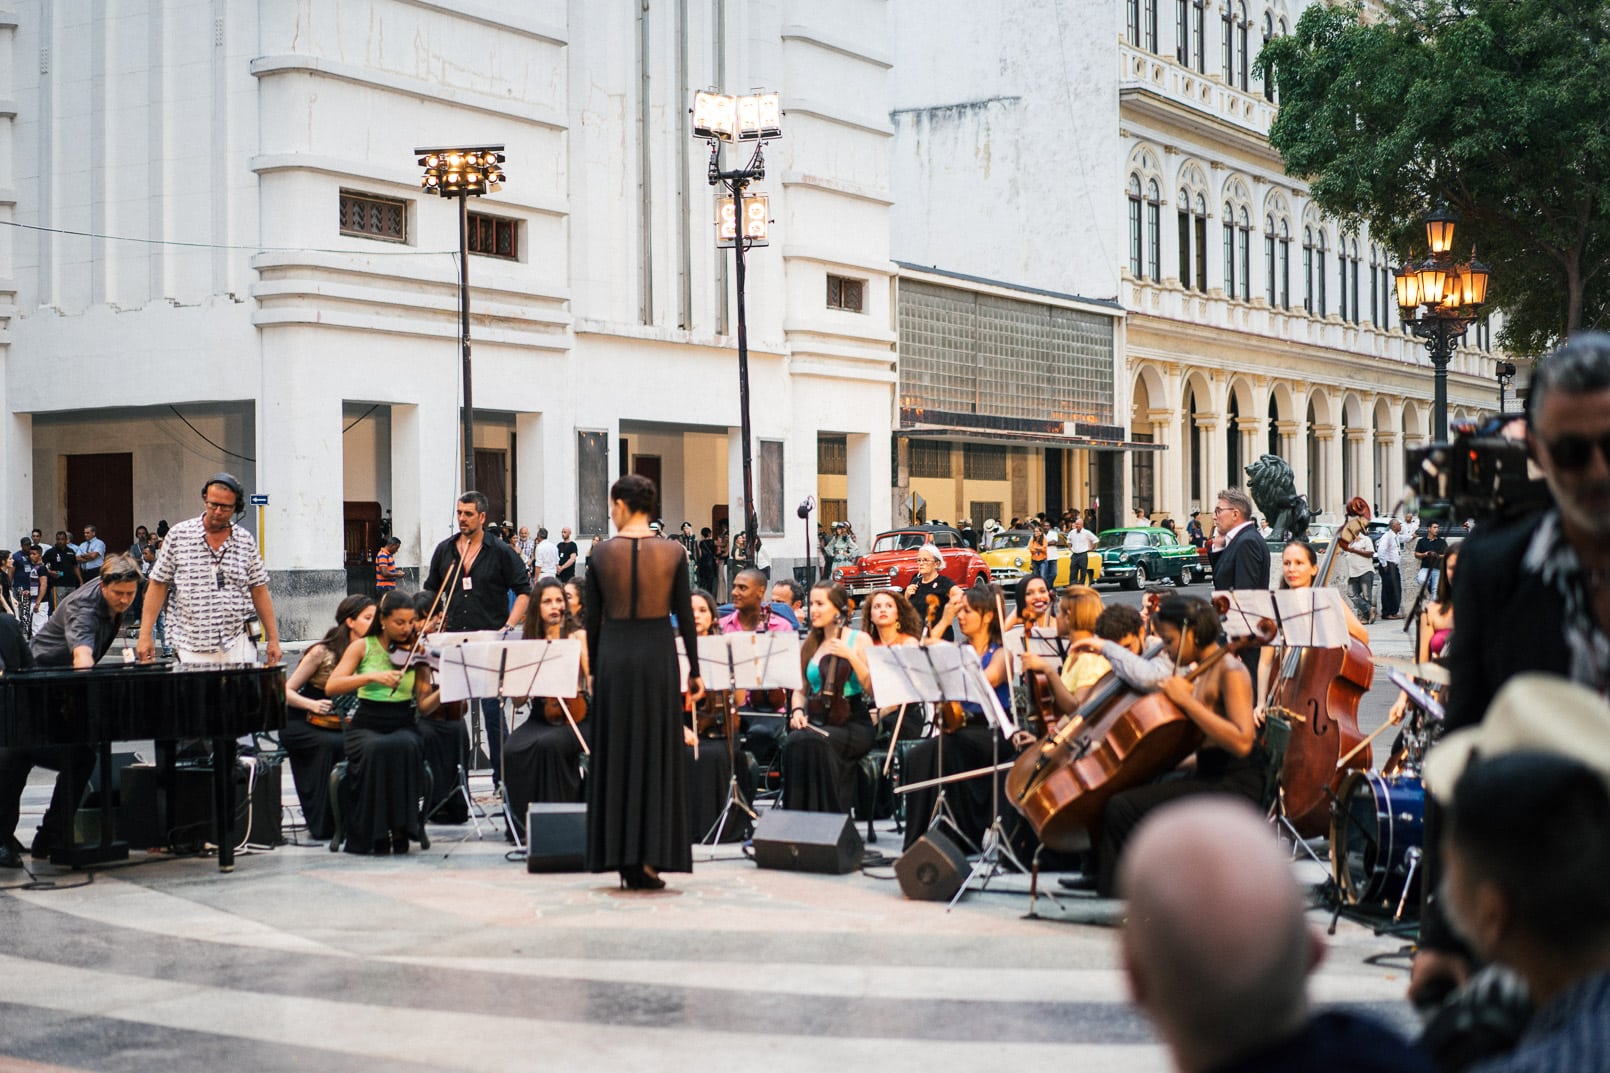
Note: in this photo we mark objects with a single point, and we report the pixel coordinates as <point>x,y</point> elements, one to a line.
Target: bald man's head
<point>1215,943</point>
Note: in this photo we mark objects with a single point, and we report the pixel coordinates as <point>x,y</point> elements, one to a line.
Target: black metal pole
<point>464,337</point>
<point>750,520</point>
<point>1441,351</point>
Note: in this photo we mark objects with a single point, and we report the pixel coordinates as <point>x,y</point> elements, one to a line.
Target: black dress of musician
<point>1230,761</point>
<point>78,634</point>
<point>819,760</point>
<point>312,735</point>
<point>542,758</point>
<point>969,747</point>
<point>636,807</point>
<point>385,761</point>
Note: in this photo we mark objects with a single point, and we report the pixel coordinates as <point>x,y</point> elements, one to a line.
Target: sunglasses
<point>121,575</point>
<point>1575,452</point>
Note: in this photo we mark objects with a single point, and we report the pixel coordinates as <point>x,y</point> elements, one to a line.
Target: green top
<point>376,660</point>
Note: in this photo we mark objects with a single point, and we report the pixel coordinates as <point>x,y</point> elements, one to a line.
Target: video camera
<point>1482,475</point>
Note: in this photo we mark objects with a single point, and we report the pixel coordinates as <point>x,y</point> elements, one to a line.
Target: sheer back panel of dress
<point>637,576</point>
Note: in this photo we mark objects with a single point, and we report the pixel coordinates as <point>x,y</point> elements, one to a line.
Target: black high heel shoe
<point>636,877</point>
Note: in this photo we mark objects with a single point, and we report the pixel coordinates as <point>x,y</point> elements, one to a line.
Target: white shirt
<point>1390,549</point>
<point>1081,540</point>
<point>547,559</point>
<point>1358,566</point>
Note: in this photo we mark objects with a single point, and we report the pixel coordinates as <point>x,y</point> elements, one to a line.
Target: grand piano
<point>136,702</point>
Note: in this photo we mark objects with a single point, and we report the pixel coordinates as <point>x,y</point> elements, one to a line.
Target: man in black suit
<point>1533,594</point>
<point>1239,554</point>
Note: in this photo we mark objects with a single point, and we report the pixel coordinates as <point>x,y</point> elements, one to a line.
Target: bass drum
<point>1376,838</point>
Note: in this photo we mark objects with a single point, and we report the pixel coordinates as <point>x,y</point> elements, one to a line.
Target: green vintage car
<point>1133,557</point>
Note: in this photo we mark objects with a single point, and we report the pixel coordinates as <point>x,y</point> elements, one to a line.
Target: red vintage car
<point>892,562</point>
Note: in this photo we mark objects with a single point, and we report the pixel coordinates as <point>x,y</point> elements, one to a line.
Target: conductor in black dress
<point>637,819</point>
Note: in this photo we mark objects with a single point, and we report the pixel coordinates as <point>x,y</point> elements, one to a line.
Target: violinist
<point>1033,600</point>
<point>895,622</point>
<point>542,758</point>
<point>312,735</point>
<point>830,727</point>
<point>385,760</point>
<point>1299,566</point>
<point>704,743</point>
<point>445,737</point>
<point>971,746</point>
<point>1078,608</point>
<point>1230,760</point>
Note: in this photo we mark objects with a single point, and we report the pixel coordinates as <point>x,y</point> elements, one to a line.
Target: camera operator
<point>1534,592</point>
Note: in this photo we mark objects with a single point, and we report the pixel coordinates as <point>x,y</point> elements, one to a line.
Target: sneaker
<point>10,854</point>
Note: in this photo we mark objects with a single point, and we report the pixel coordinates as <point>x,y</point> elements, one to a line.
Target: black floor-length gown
<point>313,752</point>
<point>445,744</point>
<point>636,802</point>
<point>542,763</point>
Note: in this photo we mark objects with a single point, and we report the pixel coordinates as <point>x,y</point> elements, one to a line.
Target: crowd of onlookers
<point>38,575</point>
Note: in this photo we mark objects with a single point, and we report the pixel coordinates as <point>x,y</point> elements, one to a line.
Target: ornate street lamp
<point>742,221</point>
<point>1506,377</point>
<point>1438,300</point>
<point>463,172</point>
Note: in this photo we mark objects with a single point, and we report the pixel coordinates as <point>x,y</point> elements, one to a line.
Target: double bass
<point>1118,739</point>
<point>1318,690</point>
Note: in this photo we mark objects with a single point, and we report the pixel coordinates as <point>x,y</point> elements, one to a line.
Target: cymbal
<point>1435,673</point>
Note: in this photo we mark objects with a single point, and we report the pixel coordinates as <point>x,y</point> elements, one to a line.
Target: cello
<point>1318,690</point>
<point>1119,738</point>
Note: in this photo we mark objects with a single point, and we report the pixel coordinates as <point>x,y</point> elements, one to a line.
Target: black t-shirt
<point>494,571</point>
<point>940,586</point>
<point>62,564</point>
<point>568,550</point>
<point>1438,548</point>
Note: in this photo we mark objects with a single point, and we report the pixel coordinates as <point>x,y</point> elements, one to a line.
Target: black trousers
<point>15,764</point>
<point>1391,589</point>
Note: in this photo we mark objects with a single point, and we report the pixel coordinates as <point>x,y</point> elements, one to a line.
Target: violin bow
<point>413,650</point>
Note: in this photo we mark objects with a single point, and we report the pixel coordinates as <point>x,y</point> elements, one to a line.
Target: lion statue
<point>1274,490</point>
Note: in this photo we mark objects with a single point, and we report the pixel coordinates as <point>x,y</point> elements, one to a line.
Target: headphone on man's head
<point>228,481</point>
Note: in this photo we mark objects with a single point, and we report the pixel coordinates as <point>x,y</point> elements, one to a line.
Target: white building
<point>1124,158</point>
<point>224,261</point>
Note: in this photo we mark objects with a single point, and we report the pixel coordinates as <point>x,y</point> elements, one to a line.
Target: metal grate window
<point>846,294</point>
<point>832,455</point>
<point>969,353</point>
<point>930,458</point>
<point>770,492</point>
<point>983,462</point>
<point>494,236</point>
<point>374,217</point>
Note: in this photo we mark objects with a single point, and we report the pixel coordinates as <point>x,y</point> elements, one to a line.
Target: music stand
<point>509,669</point>
<point>474,717</point>
<point>716,673</point>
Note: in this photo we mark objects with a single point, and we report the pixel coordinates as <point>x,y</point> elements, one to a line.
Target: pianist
<point>78,634</point>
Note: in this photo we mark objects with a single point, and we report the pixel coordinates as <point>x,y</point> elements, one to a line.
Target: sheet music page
<point>1247,607</point>
<point>894,679</point>
<point>541,668</point>
<point>465,676</point>
<point>766,660</point>
<point>713,668</point>
<point>1312,618</point>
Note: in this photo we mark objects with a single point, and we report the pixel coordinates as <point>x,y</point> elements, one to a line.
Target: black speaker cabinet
<point>557,838</point>
<point>933,870</point>
<point>807,842</point>
<point>191,823</point>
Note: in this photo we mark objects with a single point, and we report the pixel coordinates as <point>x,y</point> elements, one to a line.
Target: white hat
<point>1533,712</point>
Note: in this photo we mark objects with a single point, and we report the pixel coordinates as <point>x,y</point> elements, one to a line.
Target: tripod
<point>712,837</point>
<point>995,848</point>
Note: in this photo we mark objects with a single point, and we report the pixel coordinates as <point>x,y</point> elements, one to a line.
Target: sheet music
<point>927,674</point>
<point>1312,617</point>
<point>1247,608</point>
<point>765,660</point>
<point>540,668</point>
<point>714,670</point>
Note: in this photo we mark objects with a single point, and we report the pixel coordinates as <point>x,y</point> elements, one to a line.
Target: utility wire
<point>203,435</point>
<point>222,246</point>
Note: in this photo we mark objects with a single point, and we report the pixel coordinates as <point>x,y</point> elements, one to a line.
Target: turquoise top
<point>813,673</point>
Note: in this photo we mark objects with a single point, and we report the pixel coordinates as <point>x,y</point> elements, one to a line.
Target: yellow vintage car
<point>1006,551</point>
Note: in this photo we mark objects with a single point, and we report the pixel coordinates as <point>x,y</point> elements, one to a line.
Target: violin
<point>949,716</point>
<point>414,657</point>
<point>716,715</point>
<point>1042,716</point>
<point>554,709</point>
<point>829,704</point>
<point>1118,739</point>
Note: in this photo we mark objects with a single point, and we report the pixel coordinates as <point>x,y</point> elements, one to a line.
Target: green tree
<point>1499,109</point>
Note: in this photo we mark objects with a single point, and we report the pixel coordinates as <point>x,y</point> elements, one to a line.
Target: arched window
<point>1136,235</point>
<point>1321,252</point>
<point>1233,27</point>
<point>1341,278</point>
<point>1193,240</point>
<point>1285,265</point>
<point>1308,269</point>
<point>1243,229</point>
<point>1241,44</point>
<point>1154,231</point>
<point>1230,290</point>
<point>1352,280</point>
<point>1269,258</point>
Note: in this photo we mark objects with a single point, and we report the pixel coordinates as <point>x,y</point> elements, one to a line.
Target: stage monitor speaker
<point>807,842</point>
<point>933,870</point>
<point>142,824</point>
<point>556,838</point>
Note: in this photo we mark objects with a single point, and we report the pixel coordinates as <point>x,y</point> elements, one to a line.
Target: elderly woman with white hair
<point>930,591</point>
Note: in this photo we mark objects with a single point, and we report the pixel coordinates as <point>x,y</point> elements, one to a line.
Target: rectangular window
<point>1308,279</point>
<point>1154,235</point>
<point>494,236</point>
<point>1143,471</point>
<point>1201,253</point>
<point>1269,267</point>
<point>1341,277</point>
<point>374,217</point>
<point>1354,305</point>
<point>1150,7</point>
<point>1319,275</point>
<point>1241,32</point>
<point>930,458</point>
<point>1229,47</point>
<point>983,462</point>
<point>1132,21</point>
<point>1134,237</point>
<point>1285,273</point>
<point>1185,250</point>
<point>1245,237</point>
<point>1182,31</point>
<point>846,294</point>
<point>1375,297</point>
<point>1229,260</point>
<point>982,510</point>
<point>592,484</point>
<point>1199,35</point>
<point>832,455</point>
<point>769,495</point>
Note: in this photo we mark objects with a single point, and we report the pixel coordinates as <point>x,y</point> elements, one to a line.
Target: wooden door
<point>360,525</point>
<point>649,466</point>
<point>491,480</point>
<point>100,492</point>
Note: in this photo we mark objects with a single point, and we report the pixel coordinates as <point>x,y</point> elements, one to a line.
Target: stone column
<point>1363,465</point>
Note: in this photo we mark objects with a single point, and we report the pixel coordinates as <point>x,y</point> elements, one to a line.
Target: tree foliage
<point>1498,108</point>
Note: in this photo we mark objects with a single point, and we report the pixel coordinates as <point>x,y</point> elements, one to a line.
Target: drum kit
<point>1378,819</point>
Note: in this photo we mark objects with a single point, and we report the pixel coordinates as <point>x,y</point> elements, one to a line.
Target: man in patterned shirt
<point>209,575</point>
